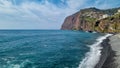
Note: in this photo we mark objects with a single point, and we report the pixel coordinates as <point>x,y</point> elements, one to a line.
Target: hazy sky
<point>44,14</point>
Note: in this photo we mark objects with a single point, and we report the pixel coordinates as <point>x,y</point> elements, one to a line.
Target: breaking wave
<point>93,57</point>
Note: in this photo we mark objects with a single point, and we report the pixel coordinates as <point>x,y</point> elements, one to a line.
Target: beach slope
<point>113,60</point>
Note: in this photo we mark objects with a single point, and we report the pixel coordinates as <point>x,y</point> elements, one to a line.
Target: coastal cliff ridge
<point>93,19</point>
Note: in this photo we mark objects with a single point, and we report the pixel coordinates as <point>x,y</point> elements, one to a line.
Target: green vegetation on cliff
<point>110,24</point>
<point>93,19</point>
<point>89,19</point>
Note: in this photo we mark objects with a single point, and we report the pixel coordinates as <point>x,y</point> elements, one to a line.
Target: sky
<point>44,14</point>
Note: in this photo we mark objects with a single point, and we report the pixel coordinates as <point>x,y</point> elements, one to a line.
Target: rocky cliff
<point>93,19</point>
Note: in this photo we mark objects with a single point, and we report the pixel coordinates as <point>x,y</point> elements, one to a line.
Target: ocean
<point>49,49</point>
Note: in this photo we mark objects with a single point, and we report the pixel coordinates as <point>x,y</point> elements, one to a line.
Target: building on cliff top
<point>105,16</point>
<point>119,10</point>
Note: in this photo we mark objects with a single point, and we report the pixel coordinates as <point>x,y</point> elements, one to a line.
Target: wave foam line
<point>93,57</point>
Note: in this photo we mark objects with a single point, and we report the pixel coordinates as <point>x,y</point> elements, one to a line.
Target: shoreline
<point>95,53</point>
<point>109,57</point>
<point>104,52</point>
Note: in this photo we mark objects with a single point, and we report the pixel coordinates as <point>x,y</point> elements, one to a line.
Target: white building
<point>105,16</point>
<point>119,10</point>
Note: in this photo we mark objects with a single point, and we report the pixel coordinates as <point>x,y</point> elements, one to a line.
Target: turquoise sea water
<point>44,48</point>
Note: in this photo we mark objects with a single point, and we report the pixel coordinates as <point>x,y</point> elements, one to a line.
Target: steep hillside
<point>93,19</point>
<point>110,24</point>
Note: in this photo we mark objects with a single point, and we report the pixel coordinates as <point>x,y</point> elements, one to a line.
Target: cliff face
<point>93,19</point>
<point>72,22</point>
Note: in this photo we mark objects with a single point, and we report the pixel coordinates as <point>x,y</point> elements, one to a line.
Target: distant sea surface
<point>45,48</point>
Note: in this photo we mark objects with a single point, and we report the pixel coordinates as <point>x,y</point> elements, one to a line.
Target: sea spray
<point>93,57</point>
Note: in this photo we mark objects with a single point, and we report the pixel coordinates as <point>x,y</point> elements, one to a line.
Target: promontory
<point>93,19</point>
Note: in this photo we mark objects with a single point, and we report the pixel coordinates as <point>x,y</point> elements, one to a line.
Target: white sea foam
<point>93,57</point>
<point>94,32</point>
<point>10,64</point>
<point>31,53</point>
